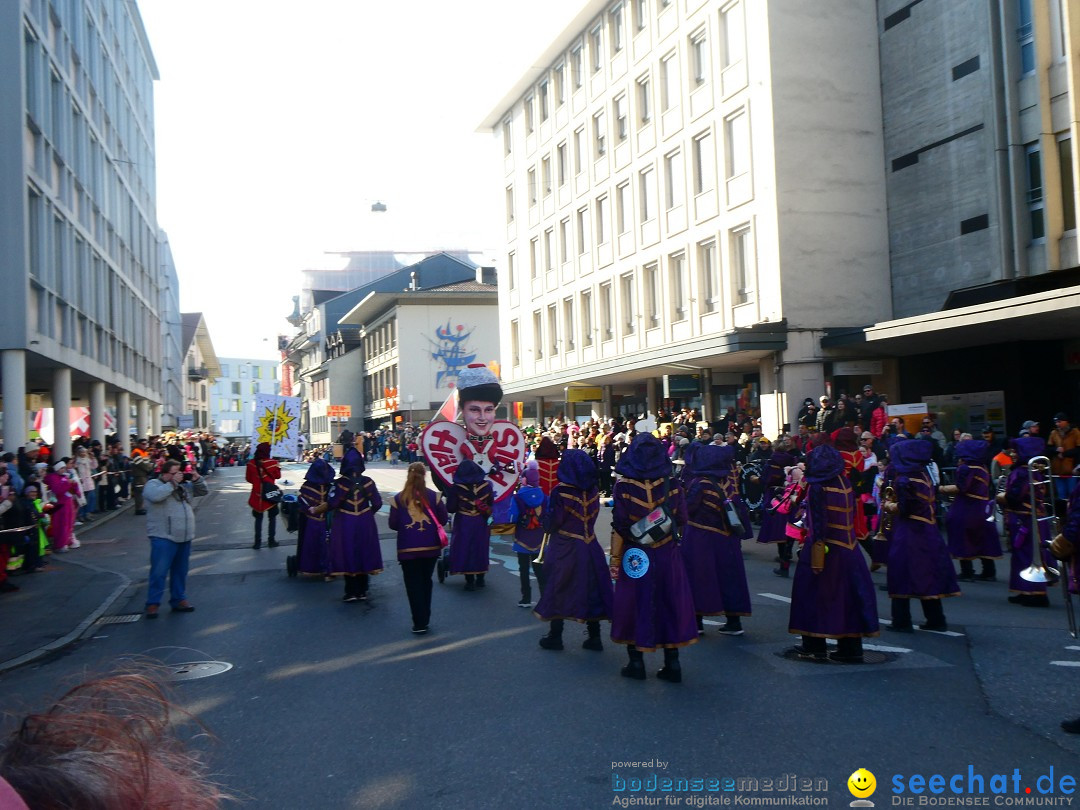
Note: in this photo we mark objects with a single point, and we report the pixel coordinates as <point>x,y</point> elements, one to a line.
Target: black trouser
<point>271,528</point>
<point>110,494</point>
<point>524,560</point>
<point>417,575</point>
<point>967,568</point>
<point>932,610</point>
<point>845,647</point>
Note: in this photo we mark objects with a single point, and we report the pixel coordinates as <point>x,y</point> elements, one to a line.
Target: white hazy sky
<point>278,124</point>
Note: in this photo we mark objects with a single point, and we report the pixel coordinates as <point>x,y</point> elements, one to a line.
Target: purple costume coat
<point>417,535</point>
<point>971,536</point>
<point>712,552</point>
<point>1071,530</point>
<point>354,538</point>
<point>656,609</point>
<point>314,547</point>
<point>578,584</point>
<point>839,601</point>
<point>471,541</point>
<point>774,524</point>
<point>919,563</point>
<point>1018,529</point>
<point>63,515</point>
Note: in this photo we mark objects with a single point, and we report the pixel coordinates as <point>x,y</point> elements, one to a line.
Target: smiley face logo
<point>861,783</point>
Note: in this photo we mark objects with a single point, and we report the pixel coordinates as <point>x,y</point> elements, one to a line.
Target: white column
<point>61,403</point>
<point>155,419</point>
<point>142,418</point>
<point>607,413</point>
<point>123,419</point>
<point>707,412</point>
<point>650,396</point>
<point>539,410</point>
<point>97,411</point>
<point>13,373</point>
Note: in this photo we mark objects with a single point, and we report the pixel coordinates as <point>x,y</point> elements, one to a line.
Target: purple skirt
<point>773,523</point>
<point>919,563</point>
<point>656,609</point>
<point>838,602</point>
<point>1018,528</point>
<point>314,549</point>
<point>716,573</point>
<point>354,544</point>
<point>577,584</point>
<point>469,545</point>
<point>971,535</point>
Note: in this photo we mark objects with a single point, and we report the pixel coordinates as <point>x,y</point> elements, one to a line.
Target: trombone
<point>543,547</point>
<point>1044,510</point>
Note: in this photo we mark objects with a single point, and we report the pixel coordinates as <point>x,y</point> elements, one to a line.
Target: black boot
<point>700,626</point>
<point>593,642</point>
<point>901,616</point>
<point>812,648</point>
<point>732,627</point>
<point>258,543</point>
<point>935,615</point>
<point>1071,726</point>
<point>672,669</point>
<point>273,543</point>
<point>553,640</point>
<point>470,582</point>
<point>783,571</point>
<point>967,571</point>
<point>989,572</point>
<point>480,580</point>
<point>848,651</point>
<point>635,668</point>
<point>350,590</point>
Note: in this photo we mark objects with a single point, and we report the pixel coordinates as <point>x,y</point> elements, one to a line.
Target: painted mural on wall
<point>450,350</point>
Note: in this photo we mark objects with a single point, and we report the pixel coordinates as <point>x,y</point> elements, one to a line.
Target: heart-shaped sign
<point>501,454</point>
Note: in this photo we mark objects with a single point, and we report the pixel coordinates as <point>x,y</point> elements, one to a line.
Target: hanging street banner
<point>277,421</point>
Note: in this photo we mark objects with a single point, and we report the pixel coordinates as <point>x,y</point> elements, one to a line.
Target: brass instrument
<point>888,498</point>
<point>543,547</point>
<point>1043,510</point>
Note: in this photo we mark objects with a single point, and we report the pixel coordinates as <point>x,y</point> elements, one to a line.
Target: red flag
<point>448,411</point>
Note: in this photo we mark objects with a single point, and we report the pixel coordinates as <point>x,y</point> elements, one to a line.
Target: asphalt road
<point>331,705</point>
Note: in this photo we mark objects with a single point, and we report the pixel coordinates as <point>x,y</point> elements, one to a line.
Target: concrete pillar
<point>61,403</point>
<point>13,372</point>
<point>707,412</point>
<point>142,418</point>
<point>155,419</point>
<point>650,396</point>
<point>539,410</point>
<point>97,411</point>
<point>123,419</point>
<point>607,401</point>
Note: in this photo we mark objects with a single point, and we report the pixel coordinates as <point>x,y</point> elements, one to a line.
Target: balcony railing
<point>200,373</point>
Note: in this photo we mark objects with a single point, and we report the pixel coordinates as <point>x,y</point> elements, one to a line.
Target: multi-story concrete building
<point>79,235</point>
<point>793,197</point>
<point>201,368</point>
<point>173,373</point>
<point>686,198</point>
<point>415,342</point>
<point>232,395</point>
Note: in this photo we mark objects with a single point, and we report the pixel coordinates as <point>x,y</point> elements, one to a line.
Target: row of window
<point>242,371</point>
<point>553,172</point>
<point>381,339</point>
<point>378,382</point>
<point>551,93</point>
<point>641,298</point>
<point>1035,199</point>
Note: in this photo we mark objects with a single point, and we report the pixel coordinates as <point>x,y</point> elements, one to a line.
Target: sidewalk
<point>54,607</point>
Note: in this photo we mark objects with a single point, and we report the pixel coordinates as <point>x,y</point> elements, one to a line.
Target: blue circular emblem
<point>635,563</point>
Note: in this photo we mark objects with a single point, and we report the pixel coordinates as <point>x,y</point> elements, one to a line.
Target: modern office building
<point>711,202</point>
<point>232,395</point>
<point>79,319</point>
<point>688,205</point>
<point>172,335</point>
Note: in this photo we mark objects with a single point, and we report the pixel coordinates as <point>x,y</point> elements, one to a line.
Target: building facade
<point>172,335</point>
<point>683,199</point>
<point>232,395</point>
<point>698,213</point>
<point>79,233</point>
<point>201,370</point>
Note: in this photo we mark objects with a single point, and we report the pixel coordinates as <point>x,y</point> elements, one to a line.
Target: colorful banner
<point>277,421</point>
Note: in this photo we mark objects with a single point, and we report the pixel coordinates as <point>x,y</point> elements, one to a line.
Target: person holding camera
<point>260,471</point>
<point>170,524</point>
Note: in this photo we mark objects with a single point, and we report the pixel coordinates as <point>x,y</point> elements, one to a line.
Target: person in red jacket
<point>879,418</point>
<point>262,469</point>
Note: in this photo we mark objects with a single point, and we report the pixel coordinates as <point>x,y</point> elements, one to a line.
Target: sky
<point>279,124</point>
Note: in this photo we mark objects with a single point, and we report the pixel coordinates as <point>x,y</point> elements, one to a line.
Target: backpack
<point>530,517</point>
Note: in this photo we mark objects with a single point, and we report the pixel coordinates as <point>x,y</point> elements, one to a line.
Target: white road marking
<point>1065,663</point>
<point>777,597</point>
<point>884,648</point>
<point>1073,647</point>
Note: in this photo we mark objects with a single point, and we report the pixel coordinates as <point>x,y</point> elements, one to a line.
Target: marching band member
<point>1064,548</point>
<point>919,563</point>
<point>577,585</point>
<point>971,536</point>
<point>416,513</point>
<point>354,537</point>
<point>1018,522</point>
<point>471,498</point>
<point>313,554</point>
<point>832,595</point>
<point>653,606</point>
<point>773,521</point>
<point>530,505</point>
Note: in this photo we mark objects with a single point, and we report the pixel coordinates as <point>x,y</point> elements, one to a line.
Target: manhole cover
<point>125,618</point>
<point>869,657</point>
<point>198,669</point>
